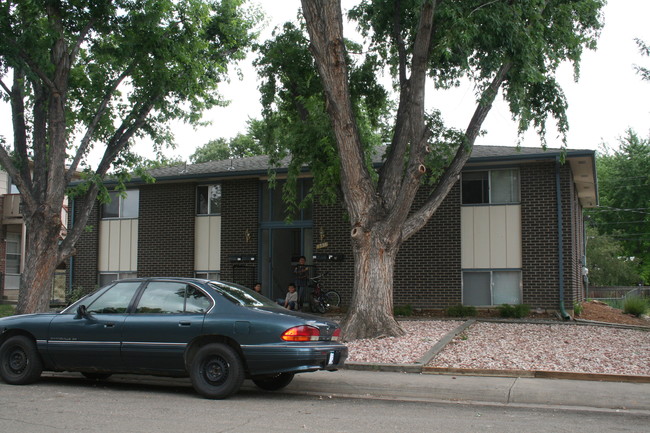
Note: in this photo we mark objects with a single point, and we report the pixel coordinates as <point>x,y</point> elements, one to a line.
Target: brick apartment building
<point>510,231</point>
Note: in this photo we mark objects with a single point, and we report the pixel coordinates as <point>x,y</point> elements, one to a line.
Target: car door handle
<point>109,325</point>
<point>184,323</point>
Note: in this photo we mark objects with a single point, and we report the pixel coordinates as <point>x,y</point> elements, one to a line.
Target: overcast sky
<point>608,98</point>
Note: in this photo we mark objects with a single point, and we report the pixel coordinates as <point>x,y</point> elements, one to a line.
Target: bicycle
<point>321,299</point>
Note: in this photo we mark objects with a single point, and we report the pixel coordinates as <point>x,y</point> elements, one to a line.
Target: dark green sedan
<point>216,333</point>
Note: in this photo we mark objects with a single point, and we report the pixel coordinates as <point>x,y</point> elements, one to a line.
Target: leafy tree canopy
<point>607,262</point>
<point>87,73</point>
<point>240,146</point>
<point>624,189</point>
<point>508,47</point>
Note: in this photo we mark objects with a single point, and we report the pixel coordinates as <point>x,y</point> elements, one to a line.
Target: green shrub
<point>514,311</point>
<point>461,310</point>
<point>403,310</point>
<point>6,310</point>
<point>577,308</point>
<point>635,305</point>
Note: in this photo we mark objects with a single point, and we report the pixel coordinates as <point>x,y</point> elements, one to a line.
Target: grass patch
<point>635,306</point>
<point>461,311</point>
<point>514,311</point>
<point>6,310</point>
<point>403,310</point>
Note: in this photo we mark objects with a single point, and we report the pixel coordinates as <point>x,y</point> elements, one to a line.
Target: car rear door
<point>92,341</point>
<point>168,315</point>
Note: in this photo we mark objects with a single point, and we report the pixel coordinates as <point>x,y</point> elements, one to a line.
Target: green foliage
<point>403,310</point>
<point>461,310</point>
<point>577,308</point>
<point>6,310</point>
<point>240,146</point>
<point>474,38</point>
<point>295,122</point>
<point>645,50</point>
<point>514,311</point>
<point>607,261</point>
<point>635,305</point>
<point>624,189</point>
<point>90,74</point>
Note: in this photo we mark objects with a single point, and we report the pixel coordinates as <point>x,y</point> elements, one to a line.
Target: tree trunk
<point>41,259</point>
<point>371,310</point>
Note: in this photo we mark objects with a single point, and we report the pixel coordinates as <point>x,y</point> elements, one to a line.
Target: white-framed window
<point>208,199</point>
<point>490,186</point>
<point>122,207</point>
<point>491,287</point>
<point>108,277</point>
<point>208,275</point>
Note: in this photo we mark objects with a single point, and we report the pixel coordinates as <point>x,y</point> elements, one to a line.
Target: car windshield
<point>241,295</point>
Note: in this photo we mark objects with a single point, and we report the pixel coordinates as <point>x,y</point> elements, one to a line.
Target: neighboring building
<point>13,247</point>
<point>495,239</point>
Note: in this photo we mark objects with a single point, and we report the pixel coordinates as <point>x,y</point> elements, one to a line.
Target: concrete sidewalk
<point>511,391</point>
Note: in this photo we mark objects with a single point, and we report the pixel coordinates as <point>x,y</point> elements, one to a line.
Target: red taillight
<point>301,333</point>
<point>336,335</point>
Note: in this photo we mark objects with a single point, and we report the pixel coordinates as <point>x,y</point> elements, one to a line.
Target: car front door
<point>92,340</point>
<point>168,315</point>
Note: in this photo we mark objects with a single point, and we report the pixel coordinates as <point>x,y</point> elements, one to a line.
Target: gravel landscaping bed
<point>514,346</point>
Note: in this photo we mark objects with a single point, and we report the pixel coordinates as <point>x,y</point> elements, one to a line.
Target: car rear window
<point>241,295</point>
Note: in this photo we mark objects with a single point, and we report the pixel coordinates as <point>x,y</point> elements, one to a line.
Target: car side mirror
<point>82,312</point>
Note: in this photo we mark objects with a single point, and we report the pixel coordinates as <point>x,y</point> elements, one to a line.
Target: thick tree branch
<point>410,122</point>
<point>325,27</point>
<point>92,126</point>
<point>419,218</point>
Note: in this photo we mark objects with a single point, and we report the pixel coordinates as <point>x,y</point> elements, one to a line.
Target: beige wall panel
<point>490,237</point>
<point>134,245</point>
<point>215,243</point>
<point>467,237</point>
<point>482,237</point>
<point>201,243</point>
<point>124,254</point>
<point>118,245</point>
<point>114,245</point>
<point>104,236</point>
<point>513,241</point>
<point>207,243</point>
<point>498,233</point>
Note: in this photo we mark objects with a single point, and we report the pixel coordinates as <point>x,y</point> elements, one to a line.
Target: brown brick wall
<point>166,230</point>
<point>239,215</point>
<point>83,264</point>
<point>428,269</point>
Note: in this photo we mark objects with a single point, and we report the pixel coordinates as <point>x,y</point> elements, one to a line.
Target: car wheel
<point>273,383</point>
<point>20,362</point>
<point>216,371</point>
<point>96,376</point>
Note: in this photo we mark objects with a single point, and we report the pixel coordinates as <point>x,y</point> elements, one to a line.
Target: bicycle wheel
<point>333,298</point>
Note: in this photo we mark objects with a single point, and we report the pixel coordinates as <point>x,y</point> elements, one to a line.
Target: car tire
<point>273,383</point>
<point>216,371</point>
<point>96,376</point>
<point>20,363</point>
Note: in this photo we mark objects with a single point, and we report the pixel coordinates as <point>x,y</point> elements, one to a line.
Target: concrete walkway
<point>511,391</point>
